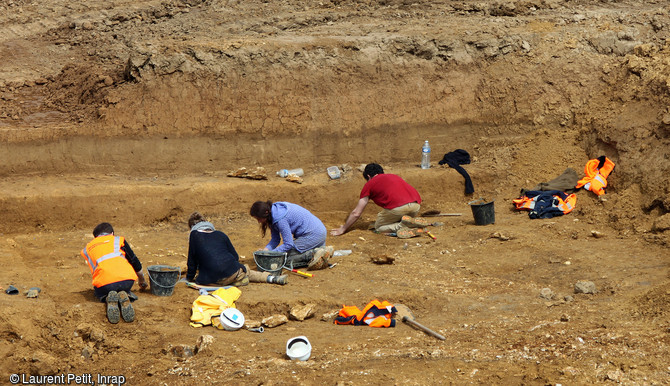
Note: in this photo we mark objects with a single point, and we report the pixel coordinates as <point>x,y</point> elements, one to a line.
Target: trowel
<point>405,314</point>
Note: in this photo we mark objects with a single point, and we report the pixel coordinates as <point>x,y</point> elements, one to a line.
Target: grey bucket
<point>270,261</point>
<point>483,212</point>
<point>163,278</point>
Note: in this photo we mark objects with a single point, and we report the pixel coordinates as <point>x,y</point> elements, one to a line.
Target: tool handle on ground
<point>302,273</point>
<point>420,326</point>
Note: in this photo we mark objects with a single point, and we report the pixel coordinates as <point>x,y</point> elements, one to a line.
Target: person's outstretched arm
<point>353,217</point>
<point>135,263</point>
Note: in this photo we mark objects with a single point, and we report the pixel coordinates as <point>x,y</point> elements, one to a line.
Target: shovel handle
<point>420,326</point>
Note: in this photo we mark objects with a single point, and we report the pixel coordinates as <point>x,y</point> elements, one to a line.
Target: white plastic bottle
<point>285,172</point>
<point>425,156</point>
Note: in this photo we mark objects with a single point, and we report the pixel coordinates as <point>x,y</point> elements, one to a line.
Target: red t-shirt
<point>390,191</point>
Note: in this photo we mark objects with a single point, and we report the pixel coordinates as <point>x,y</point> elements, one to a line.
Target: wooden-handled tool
<point>407,317</point>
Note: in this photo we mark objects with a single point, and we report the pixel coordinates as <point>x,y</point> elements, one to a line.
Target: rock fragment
<point>585,287</point>
<point>303,312</point>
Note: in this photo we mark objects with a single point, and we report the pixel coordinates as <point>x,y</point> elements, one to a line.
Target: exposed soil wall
<point>134,112</point>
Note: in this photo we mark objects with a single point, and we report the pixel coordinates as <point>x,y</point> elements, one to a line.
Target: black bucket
<point>163,278</point>
<point>483,212</point>
<point>270,261</point>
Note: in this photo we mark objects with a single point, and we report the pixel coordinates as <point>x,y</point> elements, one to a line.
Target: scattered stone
<point>256,174</point>
<point>597,234</point>
<point>91,333</point>
<point>547,293</point>
<point>87,352</point>
<point>570,371</point>
<point>274,320</point>
<point>252,323</point>
<point>203,346</point>
<point>555,260</point>
<point>585,287</point>
<point>568,298</point>
<point>42,363</point>
<point>303,312</point>
<point>182,351</point>
<point>500,236</point>
<point>107,80</point>
<point>382,259</point>
<point>565,318</point>
<point>294,178</point>
<point>33,292</point>
<point>329,316</point>
<point>615,375</point>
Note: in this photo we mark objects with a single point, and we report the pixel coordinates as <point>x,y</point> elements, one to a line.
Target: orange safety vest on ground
<point>528,203</point>
<point>568,204</point>
<point>596,178</point>
<point>107,260</point>
<point>375,314</point>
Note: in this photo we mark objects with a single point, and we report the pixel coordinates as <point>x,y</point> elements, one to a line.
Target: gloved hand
<point>142,282</point>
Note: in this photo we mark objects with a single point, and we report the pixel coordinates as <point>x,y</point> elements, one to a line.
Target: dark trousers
<point>123,285</point>
<point>295,259</point>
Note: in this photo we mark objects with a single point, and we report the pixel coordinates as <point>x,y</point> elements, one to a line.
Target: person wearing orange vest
<point>596,170</point>
<point>114,267</point>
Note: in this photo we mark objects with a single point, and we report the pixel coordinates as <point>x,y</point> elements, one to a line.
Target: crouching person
<point>114,267</point>
<point>212,256</point>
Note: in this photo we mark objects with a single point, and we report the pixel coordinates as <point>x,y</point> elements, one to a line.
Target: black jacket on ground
<point>456,158</point>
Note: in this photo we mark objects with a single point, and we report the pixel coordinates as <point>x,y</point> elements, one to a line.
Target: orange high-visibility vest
<point>525,203</point>
<point>375,314</point>
<point>528,203</point>
<point>568,205</point>
<point>107,260</point>
<point>596,178</point>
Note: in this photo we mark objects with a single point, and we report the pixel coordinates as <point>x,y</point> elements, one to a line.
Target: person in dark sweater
<point>213,257</point>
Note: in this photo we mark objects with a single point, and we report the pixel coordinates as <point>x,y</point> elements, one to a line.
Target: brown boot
<point>127,311</point>
<point>319,260</point>
<point>415,222</point>
<point>113,313</point>
<point>406,233</point>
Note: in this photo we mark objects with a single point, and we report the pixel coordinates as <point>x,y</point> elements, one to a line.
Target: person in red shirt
<point>400,202</point>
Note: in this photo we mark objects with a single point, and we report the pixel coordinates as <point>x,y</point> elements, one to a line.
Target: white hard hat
<point>298,348</point>
<point>232,319</point>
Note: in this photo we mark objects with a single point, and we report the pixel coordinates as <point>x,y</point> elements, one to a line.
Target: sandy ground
<point>135,112</point>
